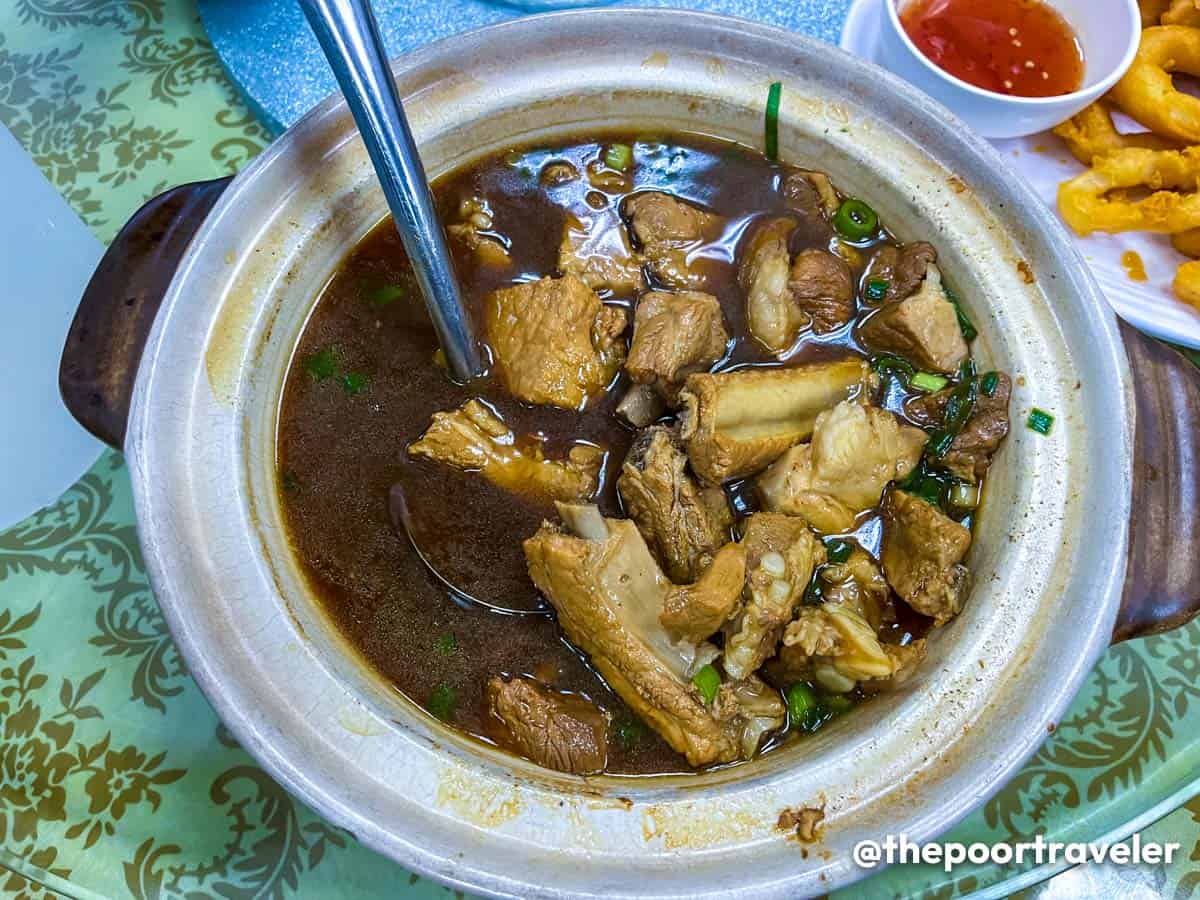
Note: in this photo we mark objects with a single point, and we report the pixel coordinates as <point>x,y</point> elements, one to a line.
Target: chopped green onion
<point>628,733</point>
<point>930,490</point>
<point>887,364</point>
<point>837,703</point>
<point>353,382</point>
<point>989,382</point>
<point>814,593</point>
<point>876,289</point>
<point>771,136</point>
<point>707,682</point>
<point>804,709</point>
<point>965,325</point>
<point>924,381</point>
<point>619,157</point>
<point>321,365</point>
<point>963,495</point>
<point>288,481</point>
<point>855,221</point>
<point>1040,421</point>
<point>837,550</point>
<point>445,643</point>
<point>958,410</point>
<point>382,296</point>
<point>442,701</point>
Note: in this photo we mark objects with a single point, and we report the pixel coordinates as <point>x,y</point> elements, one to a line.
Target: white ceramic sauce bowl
<point>1108,32</point>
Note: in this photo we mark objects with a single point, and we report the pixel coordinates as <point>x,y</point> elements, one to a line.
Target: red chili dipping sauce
<point>1019,47</point>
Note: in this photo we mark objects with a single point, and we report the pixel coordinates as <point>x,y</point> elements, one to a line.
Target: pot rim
<point>290,771</point>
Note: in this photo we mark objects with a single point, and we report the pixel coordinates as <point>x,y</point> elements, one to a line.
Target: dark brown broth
<point>340,453</point>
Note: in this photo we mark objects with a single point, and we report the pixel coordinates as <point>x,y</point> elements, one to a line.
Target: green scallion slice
<point>628,733</point>
<point>837,703</point>
<point>989,382</point>
<point>965,325</point>
<point>619,157</point>
<point>887,364</point>
<point>354,382</point>
<point>925,381</point>
<point>963,495</point>
<point>771,136</point>
<point>707,682</point>
<point>445,643</point>
<point>837,550</point>
<point>442,701</point>
<point>876,289</point>
<point>855,220</point>
<point>1040,421</point>
<point>321,365</point>
<point>382,296</point>
<point>804,709</point>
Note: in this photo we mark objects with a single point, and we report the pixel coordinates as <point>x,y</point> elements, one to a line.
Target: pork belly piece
<point>610,596</point>
<point>668,230</point>
<point>781,554</point>
<point>473,438</point>
<point>822,286</point>
<point>736,423</point>
<point>697,611</point>
<point>855,451</point>
<point>774,318</point>
<point>595,248</point>
<point>922,328</point>
<point>971,452</point>
<point>683,523</point>
<point>922,554</point>
<point>673,336</point>
<point>559,731</point>
<point>555,343</point>
<point>903,268</point>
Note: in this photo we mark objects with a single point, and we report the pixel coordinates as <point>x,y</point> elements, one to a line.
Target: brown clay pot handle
<point>1162,582</point>
<point>104,346</point>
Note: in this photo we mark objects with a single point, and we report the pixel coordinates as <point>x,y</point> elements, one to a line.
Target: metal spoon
<point>349,37</point>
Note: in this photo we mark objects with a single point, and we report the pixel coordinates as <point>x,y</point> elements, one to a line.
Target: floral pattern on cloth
<point>115,776</point>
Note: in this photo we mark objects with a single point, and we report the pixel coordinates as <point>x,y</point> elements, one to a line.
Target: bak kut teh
<point>1023,48</point>
<point>716,490</point>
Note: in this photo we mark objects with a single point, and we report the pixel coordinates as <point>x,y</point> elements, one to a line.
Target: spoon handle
<point>349,36</point>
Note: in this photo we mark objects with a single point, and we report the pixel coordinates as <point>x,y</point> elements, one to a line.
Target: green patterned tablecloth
<point>117,780</point>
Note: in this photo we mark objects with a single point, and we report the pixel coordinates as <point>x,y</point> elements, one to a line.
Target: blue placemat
<point>272,56</point>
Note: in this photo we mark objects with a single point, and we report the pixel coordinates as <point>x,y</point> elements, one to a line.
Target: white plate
<point>1044,162</point>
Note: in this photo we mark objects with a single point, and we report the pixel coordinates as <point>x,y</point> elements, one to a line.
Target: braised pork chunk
<point>555,342</point>
<point>923,328</point>
<point>558,731</point>
<point>674,334</point>
<point>855,451</point>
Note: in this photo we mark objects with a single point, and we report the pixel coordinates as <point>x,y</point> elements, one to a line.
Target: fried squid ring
<point>1187,283</point>
<point>1187,242</point>
<point>1182,12</point>
<point>1086,206</point>
<point>1152,11</point>
<point>1091,133</point>
<point>1146,91</point>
